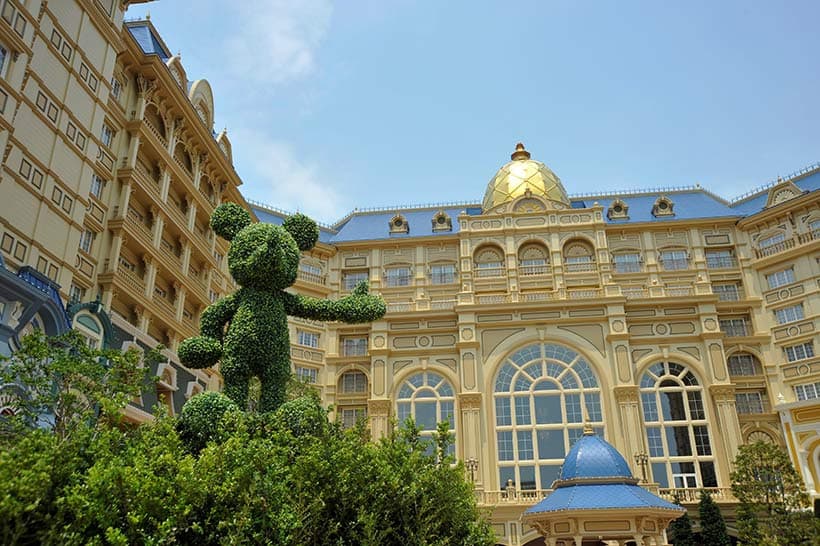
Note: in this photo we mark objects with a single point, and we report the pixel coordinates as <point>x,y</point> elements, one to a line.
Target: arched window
<point>90,329</point>
<point>353,382</point>
<point>743,364</point>
<point>154,119</point>
<point>429,399</point>
<point>539,394</point>
<point>533,259</point>
<point>489,262</point>
<point>677,433</point>
<point>578,257</point>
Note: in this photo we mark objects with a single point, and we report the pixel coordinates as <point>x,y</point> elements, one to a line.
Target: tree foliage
<point>712,525</point>
<point>773,499</point>
<point>680,530</point>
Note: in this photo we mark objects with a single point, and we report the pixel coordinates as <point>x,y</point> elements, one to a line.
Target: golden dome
<point>521,175</point>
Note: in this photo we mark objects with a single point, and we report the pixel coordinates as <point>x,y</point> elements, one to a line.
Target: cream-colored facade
<point>682,331</point>
<point>110,172</point>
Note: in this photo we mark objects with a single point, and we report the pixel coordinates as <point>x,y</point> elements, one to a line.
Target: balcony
<point>485,272</point>
<point>580,267</point>
<point>787,244</point>
<point>721,262</point>
<point>313,278</point>
<point>735,327</point>
<point>533,270</point>
<point>675,264</point>
<point>627,267</point>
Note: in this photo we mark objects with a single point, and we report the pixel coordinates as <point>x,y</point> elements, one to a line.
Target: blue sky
<point>365,103</point>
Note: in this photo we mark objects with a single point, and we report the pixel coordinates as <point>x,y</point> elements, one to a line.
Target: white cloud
<point>276,41</point>
<point>274,173</point>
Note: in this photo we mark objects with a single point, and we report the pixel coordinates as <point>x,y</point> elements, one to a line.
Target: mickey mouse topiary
<point>264,260</point>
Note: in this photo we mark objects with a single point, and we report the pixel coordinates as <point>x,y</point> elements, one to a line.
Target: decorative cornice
<point>470,400</point>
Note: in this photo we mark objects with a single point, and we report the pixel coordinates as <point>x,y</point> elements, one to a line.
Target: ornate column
<point>379,412</point>
<point>470,405</point>
<point>125,197</point>
<point>145,89</point>
<point>114,254</point>
<point>631,421</point>
<point>179,300</point>
<point>191,213</point>
<point>157,226</point>
<point>133,149</point>
<point>186,255</point>
<point>723,397</point>
<point>150,275</point>
<point>164,182</point>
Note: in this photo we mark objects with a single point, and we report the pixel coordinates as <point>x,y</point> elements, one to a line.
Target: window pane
<point>672,405</point>
<point>572,405</point>
<point>702,440</point>
<point>522,410</point>
<point>550,444</point>
<point>549,473</point>
<point>525,451</point>
<point>707,474</point>
<point>505,445</point>
<point>695,405</point>
<point>547,409</point>
<point>659,474</point>
<point>502,411</point>
<point>677,440</point>
<point>650,406</point>
<point>426,415</point>
<point>653,438</point>
<point>506,475</point>
<point>527,474</point>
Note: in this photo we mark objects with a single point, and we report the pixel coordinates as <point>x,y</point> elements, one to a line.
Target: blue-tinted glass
<point>690,379</point>
<point>550,444</point>
<point>525,452</point>
<point>546,385</point>
<point>658,369</point>
<point>549,473</point>
<point>547,409</point>
<point>572,405</point>
<point>406,391</point>
<point>574,434</point>
<point>526,355</point>
<point>675,369</point>
<point>416,380</point>
<point>527,474</point>
<point>672,406</point>
<point>653,439</point>
<point>702,443</point>
<point>502,411</point>
<point>505,445</point>
<point>522,383</point>
<point>568,381</point>
<point>429,447</point>
<point>695,405</point>
<point>647,381</point>
<point>425,393</point>
<point>686,467</point>
<point>506,474</point>
<point>554,370</point>
<point>426,415</point>
<point>535,370</point>
<point>504,378</point>
<point>677,440</point>
<point>404,411</point>
<point>707,474</point>
<point>445,389</point>
<point>593,402</point>
<point>447,413</point>
<point>585,373</point>
<point>659,474</point>
<point>433,379</point>
<point>522,410</point>
<point>650,406</point>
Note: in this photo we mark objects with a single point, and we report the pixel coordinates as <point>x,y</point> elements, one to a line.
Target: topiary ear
<point>303,230</point>
<point>228,219</point>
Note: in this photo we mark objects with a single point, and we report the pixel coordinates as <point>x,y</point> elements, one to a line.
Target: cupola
<point>524,176</point>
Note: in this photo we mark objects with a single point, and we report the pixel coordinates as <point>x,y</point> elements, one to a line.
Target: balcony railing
<point>532,270</point>
<point>490,272</point>
<point>583,267</point>
<point>402,307</point>
<point>735,328</point>
<point>134,281</point>
<point>692,495</point>
<point>721,262</point>
<point>675,264</point>
<point>156,132</point>
<point>314,278</point>
<point>438,305</point>
<point>627,267</point>
<point>782,246</point>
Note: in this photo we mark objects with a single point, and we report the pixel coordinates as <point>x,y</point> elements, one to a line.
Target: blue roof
<point>592,457</point>
<point>757,202</point>
<point>376,225</point>
<point>687,205</point>
<point>278,217</point>
<point>601,497</point>
<point>149,43</point>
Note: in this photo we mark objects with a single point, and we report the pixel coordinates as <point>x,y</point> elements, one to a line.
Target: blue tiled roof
<point>277,218</point>
<point>148,42</point>
<point>601,497</point>
<point>592,457</point>
<point>687,205</point>
<point>757,202</point>
<point>376,225</point>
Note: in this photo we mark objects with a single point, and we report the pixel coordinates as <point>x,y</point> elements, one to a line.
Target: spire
<point>519,153</point>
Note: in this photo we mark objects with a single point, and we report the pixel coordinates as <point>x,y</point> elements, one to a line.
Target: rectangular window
<point>354,346</point>
<point>106,135</point>
<point>397,276</point>
<point>674,260</point>
<point>442,273</point>
<point>86,239</point>
<point>726,292</point>
<point>307,375</point>
<point>20,251</point>
<point>505,446</point>
<point>799,352</point>
<point>116,88</point>
<point>351,279</point>
<point>96,186</point>
<point>809,391</point>
<point>720,259</point>
<point>628,262</point>
<point>213,295</point>
<point>76,294</point>
<point>4,57</point>
<point>780,278</point>
<point>743,365</point>
<point>56,195</point>
<point>37,179</point>
<point>308,339</point>
<point>735,327</point>
<point>789,314</point>
<point>354,383</point>
<point>25,168</point>
<point>42,265</point>
<point>351,416</point>
<point>127,265</point>
<point>749,403</point>
<point>773,243</point>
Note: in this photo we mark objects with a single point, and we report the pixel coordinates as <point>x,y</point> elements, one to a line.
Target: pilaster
<point>470,405</point>
<point>378,412</point>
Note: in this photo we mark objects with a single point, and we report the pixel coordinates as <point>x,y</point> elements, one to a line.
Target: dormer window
<point>442,222</point>
<point>618,210</point>
<point>399,224</point>
<point>663,207</point>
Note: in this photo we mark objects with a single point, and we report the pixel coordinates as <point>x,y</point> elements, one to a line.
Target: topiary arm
<point>357,307</point>
<point>205,350</point>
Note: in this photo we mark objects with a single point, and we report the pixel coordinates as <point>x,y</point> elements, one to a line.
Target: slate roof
<point>592,457</point>
<point>149,42</point>
<point>688,204</point>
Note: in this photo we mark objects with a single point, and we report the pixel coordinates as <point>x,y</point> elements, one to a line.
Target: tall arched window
<point>533,259</point>
<point>578,257</point>
<point>677,433</point>
<point>429,399</point>
<point>489,262</point>
<point>539,394</point>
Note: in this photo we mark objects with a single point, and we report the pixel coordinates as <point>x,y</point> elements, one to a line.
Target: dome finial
<point>588,430</point>
<point>520,152</point>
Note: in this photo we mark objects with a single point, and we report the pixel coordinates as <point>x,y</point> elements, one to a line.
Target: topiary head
<point>263,256</point>
<point>200,419</point>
